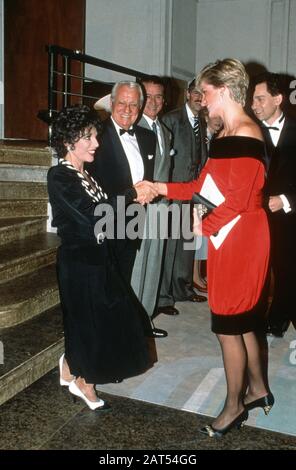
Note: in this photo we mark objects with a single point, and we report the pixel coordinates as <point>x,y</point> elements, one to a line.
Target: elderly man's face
<point>126,106</point>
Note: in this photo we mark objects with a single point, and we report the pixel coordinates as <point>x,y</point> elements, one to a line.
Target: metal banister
<point>88,59</point>
<point>60,92</point>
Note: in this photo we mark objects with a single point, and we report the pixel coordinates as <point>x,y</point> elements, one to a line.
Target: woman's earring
<point>70,147</point>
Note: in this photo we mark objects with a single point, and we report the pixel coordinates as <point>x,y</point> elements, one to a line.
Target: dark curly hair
<point>69,125</point>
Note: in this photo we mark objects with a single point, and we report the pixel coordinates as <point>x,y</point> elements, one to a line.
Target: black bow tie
<point>272,128</point>
<point>129,131</point>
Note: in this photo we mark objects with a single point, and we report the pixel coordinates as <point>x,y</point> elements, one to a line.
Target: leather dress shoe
<point>197,298</point>
<point>168,310</point>
<point>158,333</point>
<point>200,288</point>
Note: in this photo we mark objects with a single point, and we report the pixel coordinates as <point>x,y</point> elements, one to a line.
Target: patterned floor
<point>189,373</point>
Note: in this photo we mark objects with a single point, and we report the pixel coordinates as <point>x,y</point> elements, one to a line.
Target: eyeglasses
<point>195,92</point>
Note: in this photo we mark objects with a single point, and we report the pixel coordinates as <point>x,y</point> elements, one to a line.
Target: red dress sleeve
<point>185,191</point>
<point>237,193</point>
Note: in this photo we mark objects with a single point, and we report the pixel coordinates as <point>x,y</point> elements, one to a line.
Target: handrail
<point>60,92</point>
<point>88,59</point>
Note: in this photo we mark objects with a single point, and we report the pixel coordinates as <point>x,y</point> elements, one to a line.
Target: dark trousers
<point>177,275</point>
<point>283,262</point>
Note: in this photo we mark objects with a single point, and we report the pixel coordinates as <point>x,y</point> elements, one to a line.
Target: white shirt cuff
<point>287,207</point>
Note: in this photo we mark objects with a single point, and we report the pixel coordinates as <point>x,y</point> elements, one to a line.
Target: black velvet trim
<point>237,147</point>
<point>238,324</point>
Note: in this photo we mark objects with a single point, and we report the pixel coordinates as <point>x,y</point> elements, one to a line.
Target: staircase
<point>31,331</point>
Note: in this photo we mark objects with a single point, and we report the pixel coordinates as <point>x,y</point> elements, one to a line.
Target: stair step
<point>9,172</point>
<point>22,190</point>
<point>26,208</point>
<point>30,350</point>
<point>24,256</point>
<point>19,228</point>
<point>27,296</point>
<point>27,154</point>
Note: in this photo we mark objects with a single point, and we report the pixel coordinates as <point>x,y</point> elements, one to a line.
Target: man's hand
<point>145,192</point>
<point>275,203</point>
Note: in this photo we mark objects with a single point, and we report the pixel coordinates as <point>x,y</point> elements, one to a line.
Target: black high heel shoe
<point>266,403</point>
<point>238,423</point>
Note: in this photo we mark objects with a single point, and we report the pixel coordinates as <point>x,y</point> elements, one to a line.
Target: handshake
<point>147,191</point>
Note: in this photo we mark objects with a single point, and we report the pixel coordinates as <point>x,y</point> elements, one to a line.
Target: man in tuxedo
<point>190,153</point>
<point>125,158</point>
<point>280,137</point>
<point>147,268</point>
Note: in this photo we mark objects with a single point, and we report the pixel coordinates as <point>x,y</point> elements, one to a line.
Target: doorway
<point>28,27</point>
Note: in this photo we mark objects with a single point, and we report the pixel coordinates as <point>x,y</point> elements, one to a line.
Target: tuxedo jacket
<point>281,177</point>
<point>111,167</point>
<point>190,153</point>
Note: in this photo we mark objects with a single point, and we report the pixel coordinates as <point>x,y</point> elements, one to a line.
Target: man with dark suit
<point>190,153</point>
<point>280,137</point>
<point>125,158</point>
<point>146,275</point>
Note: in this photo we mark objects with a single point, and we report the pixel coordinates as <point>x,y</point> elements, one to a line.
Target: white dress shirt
<point>275,137</point>
<point>190,115</point>
<point>275,133</point>
<point>132,152</point>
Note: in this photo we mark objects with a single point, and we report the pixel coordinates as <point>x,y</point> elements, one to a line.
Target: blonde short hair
<point>228,72</point>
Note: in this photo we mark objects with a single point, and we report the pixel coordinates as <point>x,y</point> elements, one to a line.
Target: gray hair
<point>130,85</point>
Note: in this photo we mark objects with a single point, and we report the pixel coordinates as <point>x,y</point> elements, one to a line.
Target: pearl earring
<point>70,147</point>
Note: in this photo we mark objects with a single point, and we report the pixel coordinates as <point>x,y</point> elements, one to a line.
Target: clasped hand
<point>146,192</point>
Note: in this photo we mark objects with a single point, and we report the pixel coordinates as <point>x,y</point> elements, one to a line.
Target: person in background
<point>213,126</point>
<point>105,326</point>
<point>190,154</point>
<point>146,275</point>
<point>238,260</point>
<point>279,132</point>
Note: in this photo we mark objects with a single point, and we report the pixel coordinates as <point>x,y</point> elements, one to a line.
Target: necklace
<point>88,183</point>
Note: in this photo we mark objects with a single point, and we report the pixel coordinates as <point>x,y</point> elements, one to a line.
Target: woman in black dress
<point>104,324</point>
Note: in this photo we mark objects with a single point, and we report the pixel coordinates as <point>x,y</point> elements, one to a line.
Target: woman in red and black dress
<point>238,267</point>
